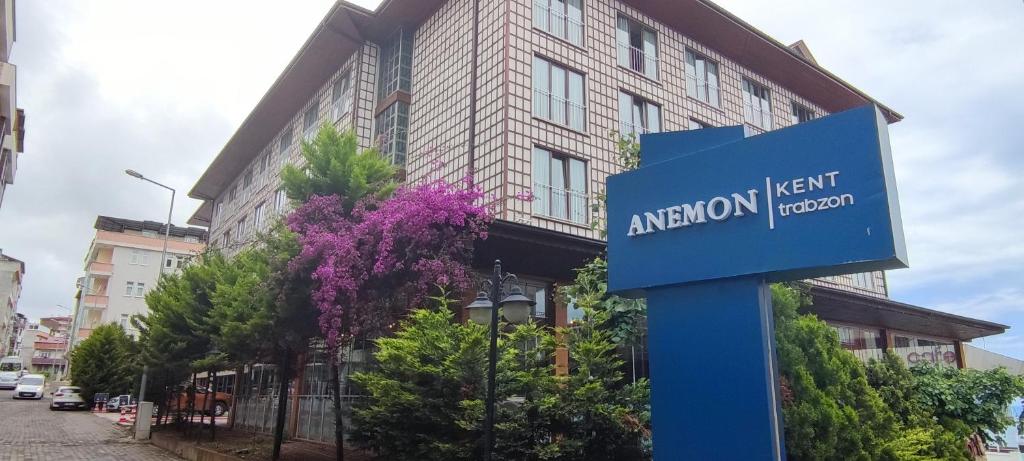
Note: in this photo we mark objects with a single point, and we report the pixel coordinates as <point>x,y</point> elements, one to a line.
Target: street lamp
<point>167,229</point>
<point>516,309</point>
<point>163,256</point>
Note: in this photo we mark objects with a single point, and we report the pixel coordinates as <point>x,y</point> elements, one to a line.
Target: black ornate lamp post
<point>516,309</point>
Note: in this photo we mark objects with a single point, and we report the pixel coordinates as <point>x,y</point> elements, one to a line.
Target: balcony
<point>559,203</point>
<point>638,60</point>
<point>101,269</point>
<point>97,301</point>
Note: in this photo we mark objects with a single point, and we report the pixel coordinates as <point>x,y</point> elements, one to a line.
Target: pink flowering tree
<point>371,266</point>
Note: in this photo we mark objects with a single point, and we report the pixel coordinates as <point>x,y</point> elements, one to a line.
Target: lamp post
<point>163,257</point>
<point>516,309</point>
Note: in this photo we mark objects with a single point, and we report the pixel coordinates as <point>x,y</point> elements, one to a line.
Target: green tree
<point>104,362</point>
<point>832,413</point>
<point>966,401</point>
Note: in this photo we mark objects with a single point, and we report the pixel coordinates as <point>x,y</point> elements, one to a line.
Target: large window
<point>240,228</point>
<point>258,216</point>
<point>559,186</point>
<point>280,200</point>
<point>702,78</point>
<point>558,94</point>
<point>637,115</point>
<point>865,280</point>
<point>392,127</point>
<point>637,47</point>
<point>341,97</point>
<point>395,65</point>
<point>309,121</point>
<point>561,18</point>
<point>285,145</point>
<point>802,114</point>
<point>757,105</point>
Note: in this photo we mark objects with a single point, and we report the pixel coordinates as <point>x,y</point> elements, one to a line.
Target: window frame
<point>549,13</point>
<point>748,89</point>
<point>693,79</point>
<point>341,103</point>
<point>129,289</point>
<point>566,185</point>
<point>549,95</point>
<point>644,113</point>
<point>625,57</point>
<point>797,108</point>
<point>309,128</point>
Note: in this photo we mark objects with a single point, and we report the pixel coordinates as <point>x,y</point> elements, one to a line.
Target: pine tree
<point>104,362</point>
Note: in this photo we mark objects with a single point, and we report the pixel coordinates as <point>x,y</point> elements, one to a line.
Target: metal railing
<point>637,60</point>
<point>560,203</point>
<point>557,23</point>
<point>559,110</point>
<point>637,129</point>
<point>757,117</point>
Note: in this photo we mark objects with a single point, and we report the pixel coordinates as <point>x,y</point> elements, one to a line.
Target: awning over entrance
<point>843,306</point>
<point>529,250</point>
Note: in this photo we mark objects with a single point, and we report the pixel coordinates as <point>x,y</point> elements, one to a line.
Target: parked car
<point>10,372</point>
<point>221,403</point>
<point>68,398</point>
<point>115,403</point>
<point>30,387</point>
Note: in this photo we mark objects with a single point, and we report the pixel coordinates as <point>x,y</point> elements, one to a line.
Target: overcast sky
<point>159,87</point>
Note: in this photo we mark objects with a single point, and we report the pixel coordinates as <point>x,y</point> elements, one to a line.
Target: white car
<point>8,379</point>
<point>30,387</point>
<point>68,398</point>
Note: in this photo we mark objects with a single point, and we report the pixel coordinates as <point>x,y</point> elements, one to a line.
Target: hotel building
<point>524,96</point>
<point>122,265</point>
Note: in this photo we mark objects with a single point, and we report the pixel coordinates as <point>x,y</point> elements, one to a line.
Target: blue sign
<point>814,199</point>
<point>702,227</point>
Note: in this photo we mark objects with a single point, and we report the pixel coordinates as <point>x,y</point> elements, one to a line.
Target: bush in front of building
<point>829,409</point>
<point>104,362</point>
<point>425,401</point>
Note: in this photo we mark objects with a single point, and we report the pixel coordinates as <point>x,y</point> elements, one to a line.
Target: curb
<point>189,450</point>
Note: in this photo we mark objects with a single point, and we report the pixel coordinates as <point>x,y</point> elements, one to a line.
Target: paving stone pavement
<point>29,431</point>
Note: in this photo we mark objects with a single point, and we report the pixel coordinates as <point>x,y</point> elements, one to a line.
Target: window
<point>129,289</point>
<point>226,239</point>
<point>558,94</point>
<point>220,210</point>
<point>637,47</point>
<point>865,280</point>
<point>392,127</point>
<point>341,97</point>
<point>234,194</point>
<point>309,121</point>
<point>240,228</point>
<point>395,65</point>
<point>702,78</point>
<point>144,260</point>
<point>637,115</point>
<point>136,257</point>
<point>561,18</point>
<point>694,124</point>
<point>559,186</point>
<point>124,321</point>
<point>757,107</point>
<point>802,114</point>
<point>286,143</point>
<point>169,262</point>
<point>280,200</point>
<point>257,216</point>
<point>259,165</point>
<point>139,288</point>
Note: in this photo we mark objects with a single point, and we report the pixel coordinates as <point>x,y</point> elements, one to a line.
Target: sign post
<point>704,225</point>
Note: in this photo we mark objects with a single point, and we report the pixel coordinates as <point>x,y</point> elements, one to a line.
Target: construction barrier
<point>127,415</point>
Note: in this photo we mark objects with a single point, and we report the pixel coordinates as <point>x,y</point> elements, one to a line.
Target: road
<point>30,431</point>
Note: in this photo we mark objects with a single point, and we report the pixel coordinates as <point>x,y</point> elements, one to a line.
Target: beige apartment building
<point>12,118</point>
<point>122,265</point>
<point>12,276</point>
<point>525,96</point>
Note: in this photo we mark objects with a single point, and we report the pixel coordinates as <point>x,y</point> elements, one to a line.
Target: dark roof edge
<point>871,300</point>
<point>111,224</point>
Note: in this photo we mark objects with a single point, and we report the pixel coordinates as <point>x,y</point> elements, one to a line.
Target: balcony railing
<point>97,301</point>
<point>637,60</point>
<point>557,23</point>
<point>101,268</point>
<point>559,110</point>
<point>560,203</point>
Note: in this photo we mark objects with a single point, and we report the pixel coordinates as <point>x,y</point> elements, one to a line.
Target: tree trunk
<point>284,378</point>
<point>202,409</point>
<point>191,405</point>
<point>339,422</point>
<point>234,396</point>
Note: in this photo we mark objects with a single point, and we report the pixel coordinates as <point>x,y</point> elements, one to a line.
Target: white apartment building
<point>12,273</point>
<point>122,265</point>
<point>12,118</point>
